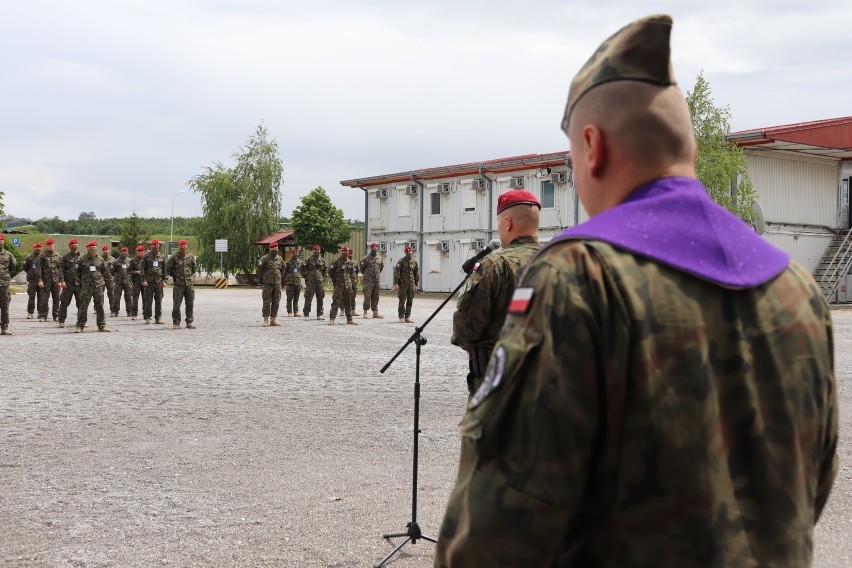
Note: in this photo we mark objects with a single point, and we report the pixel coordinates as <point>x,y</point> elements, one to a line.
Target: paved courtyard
<point>239,445</point>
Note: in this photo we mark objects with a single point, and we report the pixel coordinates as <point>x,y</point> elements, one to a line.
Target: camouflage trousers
<point>371,295</point>
<point>70,291</point>
<point>152,300</point>
<point>86,296</point>
<point>121,287</point>
<point>50,290</point>
<point>352,297</point>
<point>293,292</point>
<point>406,299</point>
<point>32,296</point>
<point>135,292</point>
<point>5,298</point>
<point>341,299</point>
<point>271,300</point>
<point>179,294</point>
<point>311,289</point>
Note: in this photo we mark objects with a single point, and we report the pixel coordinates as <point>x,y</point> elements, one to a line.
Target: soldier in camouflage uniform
<point>270,272</point>
<point>69,281</point>
<point>663,392</point>
<point>153,282</point>
<point>371,268</point>
<point>31,270</point>
<point>134,269</point>
<point>109,291</point>
<point>406,275</point>
<point>48,281</point>
<point>121,284</point>
<point>95,275</point>
<point>481,309</point>
<point>7,268</point>
<point>181,266</point>
<point>293,283</point>
<point>314,271</point>
<point>353,274</point>
<point>340,272</point>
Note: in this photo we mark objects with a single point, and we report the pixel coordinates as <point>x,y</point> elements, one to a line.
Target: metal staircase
<point>835,264</point>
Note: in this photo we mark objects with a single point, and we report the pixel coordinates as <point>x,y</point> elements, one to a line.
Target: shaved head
<point>649,124</point>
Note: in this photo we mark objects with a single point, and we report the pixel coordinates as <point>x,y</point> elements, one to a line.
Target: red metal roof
<point>499,165</point>
<point>274,237</point>
<point>830,138</point>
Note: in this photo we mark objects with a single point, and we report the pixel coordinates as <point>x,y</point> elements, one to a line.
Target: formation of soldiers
<point>54,281</point>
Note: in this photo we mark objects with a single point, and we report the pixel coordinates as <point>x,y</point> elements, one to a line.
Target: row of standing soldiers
<point>273,273</point>
<point>87,277</point>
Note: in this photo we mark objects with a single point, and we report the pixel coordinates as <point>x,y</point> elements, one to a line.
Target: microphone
<point>469,263</point>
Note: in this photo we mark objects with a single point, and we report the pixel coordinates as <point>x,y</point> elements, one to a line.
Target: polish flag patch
<point>521,301</point>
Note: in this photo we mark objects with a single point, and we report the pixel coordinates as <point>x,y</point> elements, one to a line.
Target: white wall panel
<point>806,249</point>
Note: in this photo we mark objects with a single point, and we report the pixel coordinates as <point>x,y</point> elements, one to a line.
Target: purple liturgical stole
<point>673,221</point>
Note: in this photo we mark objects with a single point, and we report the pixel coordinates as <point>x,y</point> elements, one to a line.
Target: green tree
<point>316,221</point>
<point>133,232</point>
<point>240,204</point>
<point>16,252</point>
<point>721,164</point>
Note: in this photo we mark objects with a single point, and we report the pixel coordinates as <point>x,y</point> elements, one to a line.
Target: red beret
<point>407,249</point>
<point>105,247</point>
<point>316,247</point>
<point>273,245</point>
<point>37,246</point>
<point>344,248</point>
<point>155,242</point>
<point>374,245</point>
<point>123,249</point>
<point>2,237</point>
<point>516,197</point>
<point>72,242</point>
<point>182,243</point>
<point>91,244</point>
<point>140,247</point>
<point>49,241</point>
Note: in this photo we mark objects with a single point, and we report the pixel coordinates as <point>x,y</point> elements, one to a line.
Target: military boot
<point>29,316</point>
<point>147,320</point>
<point>297,314</point>
<point>191,326</point>
<point>330,322</point>
<point>5,331</point>
<point>104,329</point>
<point>401,320</point>
<point>78,329</point>
<point>320,318</point>
<point>61,324</point>
<point>365,314</point>
<point>159,321</point>
<point>265,321</point>
<point>351,322</point>
<point>377,315</point>
<point>273,322</point>
<point>176,326</point>
<point>409,320</point>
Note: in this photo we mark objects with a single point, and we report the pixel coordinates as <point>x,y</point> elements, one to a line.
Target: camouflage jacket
<point>181,268</point>
<point>481,309</point>
<point>121,270</point>
<point>406,273</point>
<point>314,270</point>
<point>7,267</point>
<point>291,272</point>
<point>68,269</point>
<point>31,266</point>
<point>635,415</point>
<point>48,267</point>
<point>110,263</point>
<point>353,273</point>
<point>93,272</point>
<point>371,267</point>
<point>340,272</point>
<point>270,270</point>
<point>153,268</point>
<point>134,269</point>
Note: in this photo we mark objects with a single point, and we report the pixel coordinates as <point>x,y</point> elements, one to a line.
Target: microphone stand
<point>413,533</point>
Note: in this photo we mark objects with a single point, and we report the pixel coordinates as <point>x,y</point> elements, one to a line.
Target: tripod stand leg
<point>392,552</point>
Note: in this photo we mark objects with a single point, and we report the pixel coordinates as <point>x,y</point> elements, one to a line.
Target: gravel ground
<point>238,445</point>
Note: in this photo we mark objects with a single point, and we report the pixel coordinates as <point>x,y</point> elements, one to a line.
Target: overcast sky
<point>111,106</point>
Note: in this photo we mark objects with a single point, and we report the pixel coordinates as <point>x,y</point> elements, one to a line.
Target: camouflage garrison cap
<point>639,51</point>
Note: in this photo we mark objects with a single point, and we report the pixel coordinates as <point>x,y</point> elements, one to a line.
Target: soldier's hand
<point>415,287</point>
<point>396,286</point>
<point>144,284</point>
<point>164,284</point>
<point>40,284</point>
<point>62,285</point>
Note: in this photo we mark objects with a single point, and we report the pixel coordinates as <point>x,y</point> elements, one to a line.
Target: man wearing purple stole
<point>663,390</point>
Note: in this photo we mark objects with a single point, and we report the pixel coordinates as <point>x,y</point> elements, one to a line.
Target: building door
<point>844,203</point>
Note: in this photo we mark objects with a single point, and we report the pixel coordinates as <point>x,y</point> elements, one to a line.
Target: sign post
<point>221,246</point>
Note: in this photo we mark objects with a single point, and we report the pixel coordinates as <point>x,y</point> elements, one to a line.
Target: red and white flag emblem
<point>521,301</point>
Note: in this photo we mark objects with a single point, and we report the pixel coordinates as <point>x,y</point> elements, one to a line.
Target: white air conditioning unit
<point>516,182</point>
<point>382,194</point>
<point>383,247</point>
<point>478,244</point>
<point>445,245</point>
<point>410,190</point>
<point>559,177</point>
<point>443,188</point>
<point>478,184</point>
